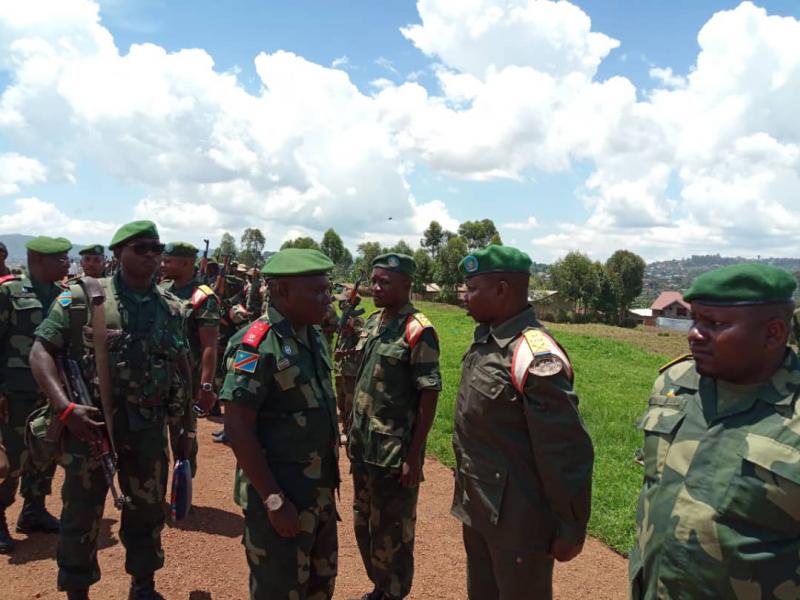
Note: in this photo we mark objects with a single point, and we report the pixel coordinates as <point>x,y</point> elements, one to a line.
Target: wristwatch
<point>274,502</point>
<point>206,387</point>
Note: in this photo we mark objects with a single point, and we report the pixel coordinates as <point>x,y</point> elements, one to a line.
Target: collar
<point>509,330</point>
<point>278,323</point>
<point>783,386</point>
<point>402,314</point>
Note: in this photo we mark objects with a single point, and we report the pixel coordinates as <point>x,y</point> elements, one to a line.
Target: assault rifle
<point>204,261</point>
<point>75,387</point>
<point>219,284</point>
<point>349,311</point>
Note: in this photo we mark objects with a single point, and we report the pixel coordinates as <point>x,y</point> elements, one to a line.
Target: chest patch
<point>64,298</point>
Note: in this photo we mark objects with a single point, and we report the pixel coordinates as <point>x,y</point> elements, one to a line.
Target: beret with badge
<point>495,259</point>
<point>134,229</point>
<point>93,250</point>
<point>399,263</point>
<point>742,284</point>
<point>293,262</point>
<point>184,249</point>
<point>48,245</point>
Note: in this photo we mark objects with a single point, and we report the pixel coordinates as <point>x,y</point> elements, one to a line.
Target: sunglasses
<point>142,248</point>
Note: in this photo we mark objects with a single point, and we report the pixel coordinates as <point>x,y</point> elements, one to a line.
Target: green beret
<point>94,250</point>
<point>48,245</point>
<point>297,261</point>
<point>745,283</point>
<point>180,249</point>
<point>132,230</point>
<point>399,263</point>
<point>495,259</point>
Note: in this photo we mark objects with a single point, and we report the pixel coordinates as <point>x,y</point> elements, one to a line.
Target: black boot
<point>78,595</point>
<point>144,588</point>
<point>34,517</point>
<point>6,543</point>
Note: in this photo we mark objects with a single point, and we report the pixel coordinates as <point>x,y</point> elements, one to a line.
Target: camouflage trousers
<point>495,573</point>
<point>384,519</point>
<point>345,387</point>
<point>299,568</point>
<point>36,478</point>
<point>175,426</point>
<point>143,465</point>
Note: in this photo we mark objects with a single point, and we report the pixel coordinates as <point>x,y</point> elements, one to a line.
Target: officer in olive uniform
<point>201,311</point>
<point>23,304</point>
<point>394,404</point>
<point>145,342</point>
<point>93,261</point>
<point>523,457</point>
<point>719,511</point>
<point>280,416</point>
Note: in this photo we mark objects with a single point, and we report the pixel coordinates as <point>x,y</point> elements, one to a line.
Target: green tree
<point>227,247</point>
<point>575,278</point>
<point>426,270</point>
<point>402,248</point>
<point>252,246</point>
<point>367,251</point>
<point>479,234</point>
<point>433,238</point>
<point>301,242</point>
<point>626,272</point>
<point>604,300</point>
<point>447,274</point>
<point>333,247</point>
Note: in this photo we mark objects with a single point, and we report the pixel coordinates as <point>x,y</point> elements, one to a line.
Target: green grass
<point>613,379</point>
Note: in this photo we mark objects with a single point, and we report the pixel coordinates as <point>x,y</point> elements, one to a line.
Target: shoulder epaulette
<point>674,362</point>
<point>7,278</point>
<point>255,333</point>
<point>200,294</point>
<point>416,324</point>
<point>538,353</point>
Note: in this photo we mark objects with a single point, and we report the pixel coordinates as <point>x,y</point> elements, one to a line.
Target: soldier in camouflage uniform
<point>345,366</point>
<point>280,416</point>
<point>201,311</point>
<point>23,304</point>
<point>329,326</point>
<point>93,261</point>
<point>146,338</point>
<point>523,457</point>
<point>719,512</point>
<point>394,404</point>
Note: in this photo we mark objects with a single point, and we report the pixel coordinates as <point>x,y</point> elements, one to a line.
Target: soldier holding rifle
<point>131,346</point>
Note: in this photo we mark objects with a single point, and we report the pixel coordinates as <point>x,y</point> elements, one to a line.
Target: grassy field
<point>614,375</point>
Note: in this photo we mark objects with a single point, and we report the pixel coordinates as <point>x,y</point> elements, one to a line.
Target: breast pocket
<point>659,425</point>
<point>294,393</point>
<point>486,386</point>
<point>765,487</point>
<point>390,356</point>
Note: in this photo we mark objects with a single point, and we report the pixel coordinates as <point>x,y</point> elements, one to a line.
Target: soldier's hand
<point>206,400</point>
<point>81,423</point>
<point>412,468</point>
<point>564,551</point>
<point>285,520</point>
<point>3,408</point>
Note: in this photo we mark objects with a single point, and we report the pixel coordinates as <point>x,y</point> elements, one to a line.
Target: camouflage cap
<point>180,249</point>
<point>495,259</point>
<point>131,230</point>
<point>399,263</point>
<point>745,283</point>
<point>297,261</point>
<point>94,250</point>
<point>48,245</point>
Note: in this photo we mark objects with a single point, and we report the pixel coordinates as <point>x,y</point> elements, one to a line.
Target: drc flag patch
<point>245,361</point>
<point>65,298</point>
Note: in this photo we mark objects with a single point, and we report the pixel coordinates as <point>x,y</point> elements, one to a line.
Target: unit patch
<point>245,361</point>
<point>64,298</point>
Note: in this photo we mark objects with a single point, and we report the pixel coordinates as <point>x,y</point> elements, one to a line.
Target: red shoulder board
<point>5,278</point>
<point>255,333</point>
<point>200,294</point>
<point>416,324</point>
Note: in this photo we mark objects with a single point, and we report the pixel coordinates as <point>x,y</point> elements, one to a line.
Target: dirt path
<point>205,560</point>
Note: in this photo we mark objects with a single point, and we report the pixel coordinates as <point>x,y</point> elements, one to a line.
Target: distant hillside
<point>15,242</point>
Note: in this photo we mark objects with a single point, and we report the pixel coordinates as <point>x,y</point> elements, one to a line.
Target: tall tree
<point>426,270</point>
<point>333,247</point>
<point>433,238</point>
<point>447,274</point>
<point>368,251</point>
<point>252,246</point>
<point>301,242</point>
<point>575,278</point>
<point>479,234</point>
<point>626,272</point>
<point>402,248</point>
<point>227,247</point>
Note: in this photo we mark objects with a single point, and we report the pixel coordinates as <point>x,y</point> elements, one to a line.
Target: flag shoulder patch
<point>245,361</point>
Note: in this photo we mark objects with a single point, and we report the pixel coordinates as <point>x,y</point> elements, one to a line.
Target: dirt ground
<point>205,559</point>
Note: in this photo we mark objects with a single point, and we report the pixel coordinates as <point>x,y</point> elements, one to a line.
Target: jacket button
<point>519,560</point>
<point>497,475</point>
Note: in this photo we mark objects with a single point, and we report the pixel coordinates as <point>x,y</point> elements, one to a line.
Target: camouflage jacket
<point>400,359</point>
<point>523,457</point>
<point>719,512</point>
<point>200,308</point>
<point>146,334</point>
<point>287,382</point>
<point>23,305</point>
<point>347,358</point>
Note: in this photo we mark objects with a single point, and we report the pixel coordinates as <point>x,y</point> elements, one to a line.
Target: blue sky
<point>364,39</point>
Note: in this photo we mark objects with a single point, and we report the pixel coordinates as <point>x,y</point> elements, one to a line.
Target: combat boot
<point>144,588</point>
<point>34,517</point>
<point>6,543</point>
<point>78,595</point>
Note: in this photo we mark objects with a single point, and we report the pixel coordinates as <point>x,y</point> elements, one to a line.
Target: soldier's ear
<point>777,333</point>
